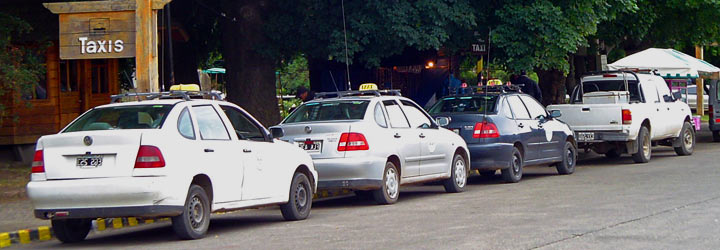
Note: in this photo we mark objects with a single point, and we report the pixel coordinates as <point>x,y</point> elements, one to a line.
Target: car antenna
<point>347,63</point>
<point>333,79</point>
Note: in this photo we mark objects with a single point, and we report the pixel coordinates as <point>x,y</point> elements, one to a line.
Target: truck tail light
<point>626,117</point>
<point>352,142</point>
<point>149,157</point>
<point>38,163</point>
<point>609,75</point>
<point>485,130</point>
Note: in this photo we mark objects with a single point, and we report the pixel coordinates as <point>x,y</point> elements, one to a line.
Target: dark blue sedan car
<point>507,130</point>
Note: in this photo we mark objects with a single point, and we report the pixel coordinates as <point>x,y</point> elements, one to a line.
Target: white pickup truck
<point>616,112</point>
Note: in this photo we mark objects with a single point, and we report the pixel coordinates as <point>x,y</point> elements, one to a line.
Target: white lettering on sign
<point>102,46</point>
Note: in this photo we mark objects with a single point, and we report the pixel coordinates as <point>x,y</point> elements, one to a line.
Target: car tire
<point>194,221</point>
<point>613,153</point>
<point>686,140</point>
<point>300,201</point>
<point>458,175</point>
<point>569,159</point>
<point>644,150</point>
<point>513,173</point>
<point>716,136</point>
<point>71,230</point>
<point>390,190</point>
<point>487,173</point>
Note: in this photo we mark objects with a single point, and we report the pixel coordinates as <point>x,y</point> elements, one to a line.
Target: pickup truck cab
<point>616,112</point>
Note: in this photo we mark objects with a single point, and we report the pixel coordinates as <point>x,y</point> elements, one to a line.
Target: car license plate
<point>89,161</point>
<point>310,146</point>
<point>585,136</point>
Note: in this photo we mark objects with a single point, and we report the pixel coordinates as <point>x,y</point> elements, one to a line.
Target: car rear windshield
<point>329,111</point>
<point>607,85</point>
<point>123,117</point>
<point>465,104</point>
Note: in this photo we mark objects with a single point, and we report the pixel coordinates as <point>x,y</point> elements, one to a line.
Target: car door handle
<point>209,150</point>
<point>397,136</point>
<point>422,136</point>
<point>247,150</point>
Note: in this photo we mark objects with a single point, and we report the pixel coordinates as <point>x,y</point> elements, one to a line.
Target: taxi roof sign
<point>185,87</point>
<point>368,86</point>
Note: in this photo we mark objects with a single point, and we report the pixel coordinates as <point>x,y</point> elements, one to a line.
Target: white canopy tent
<point>669,63</point>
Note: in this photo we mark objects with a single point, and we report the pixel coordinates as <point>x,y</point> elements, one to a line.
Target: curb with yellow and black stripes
<point>44,233</point>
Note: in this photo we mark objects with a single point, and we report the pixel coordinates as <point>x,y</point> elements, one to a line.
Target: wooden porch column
<point>699,84</point>
<point>146,67</point>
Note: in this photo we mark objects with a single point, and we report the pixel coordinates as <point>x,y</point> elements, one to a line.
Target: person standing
<point>304,94</point>
<point>527,85</point>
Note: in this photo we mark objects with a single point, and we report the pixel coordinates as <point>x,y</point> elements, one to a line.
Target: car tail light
<point>352,142</point>
<point>485,130</point>
<point>38,163</point>
<point>626,116</point>
<point>149,157</point>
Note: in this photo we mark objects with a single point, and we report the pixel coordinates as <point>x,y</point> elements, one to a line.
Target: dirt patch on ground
<point>13,178</point>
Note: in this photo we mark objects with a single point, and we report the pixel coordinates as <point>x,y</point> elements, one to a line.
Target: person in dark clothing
<point>304,94</point>
<point>527,86</point>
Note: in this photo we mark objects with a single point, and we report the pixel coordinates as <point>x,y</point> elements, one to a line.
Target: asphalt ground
<point>670,203</point>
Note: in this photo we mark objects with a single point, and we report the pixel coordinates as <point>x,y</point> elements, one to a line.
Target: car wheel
<point>613,153</point>
<point>687,140</point>
<point>71,230</point>
<point>487,173</point>
<point>716,136</point>
<point>569,158</point>
<point>513,173</point>
<point>458,175</point>
<point>390,190</point>
<point>194,221</point>
<point>644,151</point>
<point>300,202</point>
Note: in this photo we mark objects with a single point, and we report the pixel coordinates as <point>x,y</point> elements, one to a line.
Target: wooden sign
<point>97,35</point>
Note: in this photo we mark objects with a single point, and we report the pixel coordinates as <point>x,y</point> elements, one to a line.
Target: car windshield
<point>465,104</point>
<point>329,111</point>
<point>122,117</point>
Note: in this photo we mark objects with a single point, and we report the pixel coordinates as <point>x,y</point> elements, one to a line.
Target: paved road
<point>671,203</point>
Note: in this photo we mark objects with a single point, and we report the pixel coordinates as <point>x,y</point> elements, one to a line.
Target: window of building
<point>68,75</point>
<point>99,73</point>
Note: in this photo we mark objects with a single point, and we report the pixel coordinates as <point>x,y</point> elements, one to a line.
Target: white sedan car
<point>376,141</point>
<point>178,158</point>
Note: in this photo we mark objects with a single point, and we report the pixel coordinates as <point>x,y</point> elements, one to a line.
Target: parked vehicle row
<point>177,156</point>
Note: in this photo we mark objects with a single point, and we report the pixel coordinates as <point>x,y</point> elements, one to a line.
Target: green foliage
<point>293,73</point>
<point>21,67</point>
<point>376,29</point>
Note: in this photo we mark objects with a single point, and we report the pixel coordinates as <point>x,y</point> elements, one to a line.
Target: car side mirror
<point>277,132</point>
<point>442,121</point>
<point>676,96</point>
<point>555,114</point>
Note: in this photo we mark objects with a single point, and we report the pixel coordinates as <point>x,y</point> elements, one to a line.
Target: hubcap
<point>196,212</point>
<point>571,157</point>
<point>301,196</point>
<point>516,164</point>
<point>391,183</point>
<point>646,147</point>
<point>460,176</point>
<point>688,140</point>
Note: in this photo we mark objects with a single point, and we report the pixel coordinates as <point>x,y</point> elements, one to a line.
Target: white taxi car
<point>376,141</point>
<point>182,158</point>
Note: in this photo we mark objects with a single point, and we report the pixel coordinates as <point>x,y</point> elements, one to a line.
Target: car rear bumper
<point>350,172</point>
<point>140,196</point>
<point>490,155</point>
<point>107,212</point>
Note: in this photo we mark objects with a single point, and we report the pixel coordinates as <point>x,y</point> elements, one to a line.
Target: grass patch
<point>13,178</point>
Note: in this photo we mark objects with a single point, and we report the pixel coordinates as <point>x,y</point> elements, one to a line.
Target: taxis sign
<point>97,35</point>
<point>368,86</point>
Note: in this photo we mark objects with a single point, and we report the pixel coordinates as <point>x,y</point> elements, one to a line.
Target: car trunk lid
<point>320,140</point>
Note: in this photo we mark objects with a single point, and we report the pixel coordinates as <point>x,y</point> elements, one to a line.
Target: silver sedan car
<point>376,141</point>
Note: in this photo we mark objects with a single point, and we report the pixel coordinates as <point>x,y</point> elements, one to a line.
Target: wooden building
<point>69,88</point>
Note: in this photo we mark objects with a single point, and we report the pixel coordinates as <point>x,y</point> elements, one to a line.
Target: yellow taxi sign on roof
<point>368,86</point>
<point>185,87</point>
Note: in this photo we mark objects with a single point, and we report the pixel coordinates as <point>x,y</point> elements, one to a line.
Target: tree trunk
<point>552,85</point>
<point>250,75</point>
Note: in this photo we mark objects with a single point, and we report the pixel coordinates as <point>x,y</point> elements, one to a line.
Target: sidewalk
<point>17,215</point>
